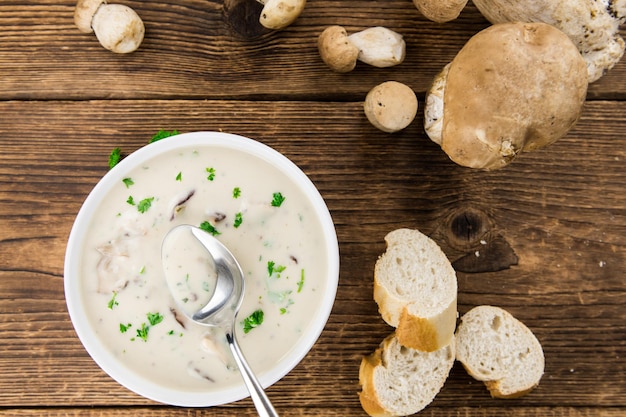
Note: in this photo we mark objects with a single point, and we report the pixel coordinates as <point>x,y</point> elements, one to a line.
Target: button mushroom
<point>440,11</point>
<point>513,87</point>
<point>336,50</point>
<point>278,14</point>
<point>376,46</point>
<point>118,28</point>
<point>593,25</point>
<point>390,106</point>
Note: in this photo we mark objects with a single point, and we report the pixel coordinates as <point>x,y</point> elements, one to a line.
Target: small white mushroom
<point>278,14</point>
<point>390,106</point>
<point>118,28</point>
<point>379,46</point>
<point>336,50</point>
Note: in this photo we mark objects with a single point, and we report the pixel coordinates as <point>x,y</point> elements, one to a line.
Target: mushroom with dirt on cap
<point>513,87</point>
<point>117,27</point>
<point>376,46</point>
<point>278,14</point>
<point>390,106</point>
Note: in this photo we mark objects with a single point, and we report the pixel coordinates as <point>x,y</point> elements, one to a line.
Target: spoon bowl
<point>223,303</point>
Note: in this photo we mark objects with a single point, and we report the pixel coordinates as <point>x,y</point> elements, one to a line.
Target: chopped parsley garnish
<point>301,281</point>
<point>238,220</point>
<point>277,199</point>
<point>155,318</point>
<point>162,134</point>
<point>236,192</point>
<point>253,320</point>
<point>211,174</point>
<point>124,327</point>
<point>143,332</point>
<point>145,204</point>
<point>113,302</point>
<point>130,200</point>
<point>274,270</point>
<point>208,227</point>
<point>128,182</point>
<point>283,310</point>
<point>115,157</point>
<point>179,177</point>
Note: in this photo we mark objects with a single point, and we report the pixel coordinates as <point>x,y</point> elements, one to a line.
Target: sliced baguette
<point>415,288</point>
<point>400,381</point>
<point>496,348</point>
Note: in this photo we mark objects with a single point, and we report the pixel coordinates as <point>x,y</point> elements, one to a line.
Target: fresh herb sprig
<point>253,320</point>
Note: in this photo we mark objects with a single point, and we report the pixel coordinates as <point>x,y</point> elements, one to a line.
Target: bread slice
<point>400,381</point>
<point>415,288</point>
<point>496,348</point>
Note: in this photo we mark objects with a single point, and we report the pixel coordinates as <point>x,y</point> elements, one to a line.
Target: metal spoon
<point>223,306</point>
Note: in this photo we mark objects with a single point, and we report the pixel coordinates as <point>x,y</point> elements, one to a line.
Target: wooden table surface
<point>554,221</point>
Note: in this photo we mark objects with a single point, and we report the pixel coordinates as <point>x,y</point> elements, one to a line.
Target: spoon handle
<point>261,402</point>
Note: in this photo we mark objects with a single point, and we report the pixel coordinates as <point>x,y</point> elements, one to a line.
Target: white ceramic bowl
<point>98,346</point>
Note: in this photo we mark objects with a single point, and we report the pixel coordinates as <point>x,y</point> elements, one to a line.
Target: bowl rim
<point>74,301</point>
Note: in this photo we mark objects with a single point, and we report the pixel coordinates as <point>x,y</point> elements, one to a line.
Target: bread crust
<point>378,372</point>
<point>496,348</point>
<point>427,334</point>
<point>417,327</point>
<point>367,396</point>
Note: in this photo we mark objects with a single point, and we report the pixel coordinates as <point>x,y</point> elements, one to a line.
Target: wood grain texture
<point>544,238</point>
<point>202,49</point>
<point>560,210</point>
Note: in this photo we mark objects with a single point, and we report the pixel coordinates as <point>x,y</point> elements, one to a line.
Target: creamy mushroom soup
<point>251,207</point>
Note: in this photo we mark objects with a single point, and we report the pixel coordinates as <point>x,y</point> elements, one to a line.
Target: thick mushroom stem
<point>278,14</point>
<point>593,25</point>
<point>118,28</point>
<point>379,46</point>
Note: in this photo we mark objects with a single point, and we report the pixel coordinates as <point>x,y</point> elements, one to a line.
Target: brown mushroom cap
<point>278,14</point>
<point>440,11</point>
<point>84,12</point>
<point>336,50</point>
<point>118,28</point>
<point>390,106</point>
<point>513,87</point>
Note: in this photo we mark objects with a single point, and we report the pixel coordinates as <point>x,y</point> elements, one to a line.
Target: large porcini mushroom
<point>336,50</point>
<point>390,106</point>
<point>513,87</point>
<point>440,11</point>
<point>593,25</point>
<point>118,27</point>
<point>278,14</point>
